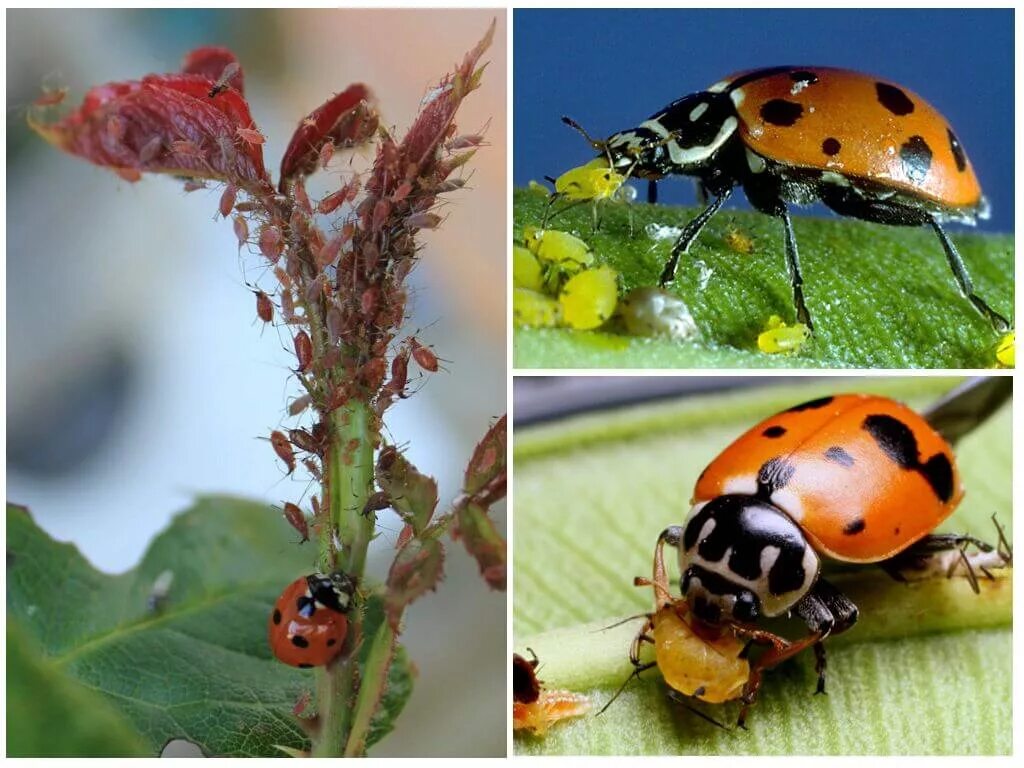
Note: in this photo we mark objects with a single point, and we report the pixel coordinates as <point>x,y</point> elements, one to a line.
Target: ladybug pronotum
<point>308,625</point>
<point>865,147</point>
<point>851,478</point>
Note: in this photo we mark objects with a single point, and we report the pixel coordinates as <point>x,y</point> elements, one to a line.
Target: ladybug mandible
<point>854,478</point>
<point>308,625</point>
<point>863,146</point>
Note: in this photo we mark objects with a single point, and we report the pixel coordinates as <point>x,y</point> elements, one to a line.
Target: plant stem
<point>371,689</point>
<point>348,475</point>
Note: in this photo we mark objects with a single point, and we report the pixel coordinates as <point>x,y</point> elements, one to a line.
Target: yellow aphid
<point>537,188</point>
<point>1005,350</point>
<point>593,181</point>
<point>530,308</point>
<point>739,241</point>
<point>589,298</point>
<point>526,271</point>
<point>552,246</point>
<point>712,671</point>
<point>779,337</point>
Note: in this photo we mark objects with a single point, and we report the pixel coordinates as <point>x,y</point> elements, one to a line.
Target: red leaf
<point>487,464</point>
<point>418,568</point>
<point>210,62</point>
<point>483,542</point>
<point>345,120</point>
<point>164,124</point>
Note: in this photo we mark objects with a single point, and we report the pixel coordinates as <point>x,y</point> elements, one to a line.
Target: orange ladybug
<point>854,478</point>
<point>308,625</point>
<point>792,135</point>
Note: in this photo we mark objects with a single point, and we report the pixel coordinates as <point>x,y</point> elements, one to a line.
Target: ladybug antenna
<point>600,146</point>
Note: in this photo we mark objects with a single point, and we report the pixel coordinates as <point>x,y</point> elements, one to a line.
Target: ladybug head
<point>333,591</point>
<point>682,138</point>
<point>741,558</point>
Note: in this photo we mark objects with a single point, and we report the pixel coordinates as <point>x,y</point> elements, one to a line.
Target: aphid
<point>566,253</point>
<point>1005,350</point>
<point>377,501</point>
<point>779,337</point>
<point>339,396</point>
<point>297,519</point>
<point>368,301</point>
<point>299,404</point>
<point>332,202</point>
<point>303,350</point>
<point>301,196</point>
<point>381,209</point>
<point>159,591</point>
<point>526,270</point>
<point>115,129</point>
<point>865,147</point>
<point>308,625</point>
<point>533,309</point>
<point>326,153</point>
<point>230,70</point>
<point>401,192</point>
<point>187,149</point>
<point>50,97</point>
<point>241,227</point>
<point>264,307</point>
<point>424,356</point>
<point>287,304</point>
<point>304,441</point>
<point>283,449</point>
<point>855,478</point>
<point>193,186</point>
<point>536,709</point>
<point>329,253</point>
<point>465,142</point>
<point>739,241</point>
<point>399,373</point>
<point>149,151</point>
<point>588,299</point>
<point>131,175</point>
<point>227,200</point>
<point>422,220</point>
<point>314,469</point>
<point>271,243</point>
<point>371,374</point>
<point>251,136</point>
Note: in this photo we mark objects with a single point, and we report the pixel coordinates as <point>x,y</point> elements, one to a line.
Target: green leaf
<point>880,296</point>
<point>927,669</point>
<point>43,702</point>
<point>198,667</point>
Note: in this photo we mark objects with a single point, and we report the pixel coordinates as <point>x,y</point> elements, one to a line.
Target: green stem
<point>348,475</point>
<point>371,689</point>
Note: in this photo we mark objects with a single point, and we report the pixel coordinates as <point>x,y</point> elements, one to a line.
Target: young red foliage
<point>346,119</point>
<point>303,351</point>
<point>215,64</point>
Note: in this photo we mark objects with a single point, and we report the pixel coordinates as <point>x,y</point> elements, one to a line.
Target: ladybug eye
<point>745,608</point>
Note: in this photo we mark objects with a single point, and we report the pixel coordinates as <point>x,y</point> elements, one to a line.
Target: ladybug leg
<point>795,279</point>
<point>963,280</point>
<point>820,665</point>
<point>689,234</point>
<point>652,191</point>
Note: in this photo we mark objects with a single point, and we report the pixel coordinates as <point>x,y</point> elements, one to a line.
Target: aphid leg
<point>820,665</point>
<point>793,263</point>
<point>963,280</point>
<point>679,698</point>
<point>688,235</point>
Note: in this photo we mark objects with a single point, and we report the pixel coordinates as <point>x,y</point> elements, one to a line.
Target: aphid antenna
<point>634,674</point>
<point>678,698</point>
<point>600,146</point>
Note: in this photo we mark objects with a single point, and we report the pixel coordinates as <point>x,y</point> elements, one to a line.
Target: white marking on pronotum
<point>755,162</point>
<point>681,156</point>
<point>697,111</point>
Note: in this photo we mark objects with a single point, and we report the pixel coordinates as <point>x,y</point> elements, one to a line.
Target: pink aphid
<point>193,186</point>
<point>151,149</point>
<point>299,404</point>
<point>303,351</point>
<point>227,200</point>
<point>271,243</point>
<point>264,307</point>
<point>251,136</point>
<point>332,202</point>
<point>130,175</point>
<point>301,197</point>
<point>222,82</point>
<point>326,255</point>
<point>241,230</point>
<point>465,142</point>
<point>369,300</point>
<point>422,220</point>
<point>380,214</point>
<point>283,449</point>
<point>326,153</point>
<point>283,277</point>
<point>424,356</point>
<point>287,305</point>
<point>115,129</point>
<point>187,148</point>
<point>402,192</point>
<point>297,520</point>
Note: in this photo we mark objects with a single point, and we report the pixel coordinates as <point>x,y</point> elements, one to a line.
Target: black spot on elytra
<point>277,616</point>
<point>811,405</point>
<point>299,641</point>
<point>897,441</point>
<point>331,642</point>
<point>803,76</point>
<point>775,431</point>
<point>839,456</point>
<point>939,474</point>
<point>958,151</point>
<point>896,531</point>
<point>306,606</point>
<point>894,99</point>
<point>831,146</point>
<point>855,527</point>
<point>781,112</point>
<point>773,475</point>
<point>305,666</point>
<point>917,158</point>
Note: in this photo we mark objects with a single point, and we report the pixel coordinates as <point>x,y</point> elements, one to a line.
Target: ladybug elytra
<point>308,625</point>
<point>865,147</point>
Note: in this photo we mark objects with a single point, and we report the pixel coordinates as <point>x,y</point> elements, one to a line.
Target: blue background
<point>612,69</point>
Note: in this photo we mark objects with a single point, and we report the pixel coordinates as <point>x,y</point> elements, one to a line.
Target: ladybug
<point>853,478</point>
<point>308,625</point>
<point>863,146</point>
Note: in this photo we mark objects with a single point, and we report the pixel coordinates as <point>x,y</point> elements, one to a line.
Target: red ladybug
<point>863,146</point>
<point>854,478</point>
<point>308,625</point>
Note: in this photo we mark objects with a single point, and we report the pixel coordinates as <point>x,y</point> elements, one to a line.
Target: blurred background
<point>137,374</point>
<point>610,70</point>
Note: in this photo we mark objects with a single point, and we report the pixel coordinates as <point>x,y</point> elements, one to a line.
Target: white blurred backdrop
<point>137,375</point>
